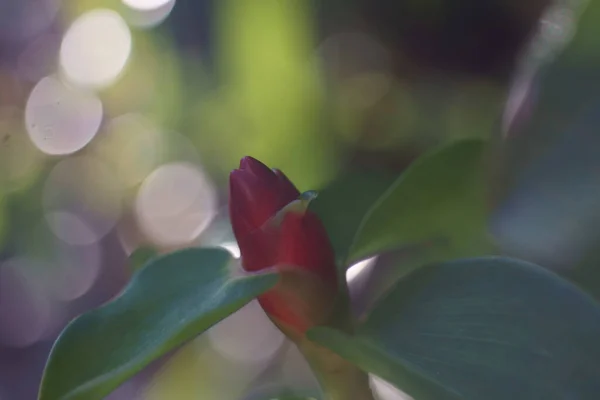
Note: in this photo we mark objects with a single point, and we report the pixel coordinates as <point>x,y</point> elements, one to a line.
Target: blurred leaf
<point>141,256</point>
<point>342,206</point>
<point>169,302</point>
<point>551,190</point>
<point>440,197</point>
<point>439,200</point>
<point>565,64</point>
<point>486,328</point>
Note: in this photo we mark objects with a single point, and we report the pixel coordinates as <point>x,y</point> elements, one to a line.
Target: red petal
<point>287,190</point>
<point>303,242</point>
<point>258,249</point>
<point>252,200</point>
<point>260,170</point>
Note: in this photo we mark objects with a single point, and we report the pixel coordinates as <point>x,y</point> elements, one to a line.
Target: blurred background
<point>121,119</point>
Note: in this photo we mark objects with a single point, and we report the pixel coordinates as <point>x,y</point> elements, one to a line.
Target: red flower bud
<point>274,229</point>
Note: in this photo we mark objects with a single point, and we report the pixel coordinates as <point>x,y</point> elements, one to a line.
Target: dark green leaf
<point>439,200</point>
<point>342,206</point>
<point>169,302</point>
<point>141,256</point>
<point>487,328</point>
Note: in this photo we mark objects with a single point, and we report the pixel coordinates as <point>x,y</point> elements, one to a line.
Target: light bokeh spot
<point>232,248</point>
<point>146,4</point>
<point>95,48</point>
<point>59,119</point>
<point>70,228</point>
<point>387,391</point>
<point>248,336</point>
<point>70,270</point>
<point>82,200</point>
<point>148,13</point>
<point>355,270</point>
<point>175,204</point>
<point>132,145</point>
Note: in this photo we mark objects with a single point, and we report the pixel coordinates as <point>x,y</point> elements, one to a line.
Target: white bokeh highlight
<point>146,4</point>
<point>360,267</point>
<point>247,337</point>
<point>95,48</point>
<point>175,204</point>
<point>232,248</point>
<point>148,13</point>
<point>387,391</point>
<point>59,119</point>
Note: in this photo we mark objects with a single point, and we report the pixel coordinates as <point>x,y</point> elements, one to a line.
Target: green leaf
<point>440,200</point>
<point>487,328</point>
<point>567,82</point>
<point>342,206</point>
<point>140,257</point>
<point>169,302</point>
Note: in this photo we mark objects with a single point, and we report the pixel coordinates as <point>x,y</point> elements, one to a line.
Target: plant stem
<point>339,379</point>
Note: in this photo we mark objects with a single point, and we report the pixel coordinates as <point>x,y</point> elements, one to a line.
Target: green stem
<point>339,379</point>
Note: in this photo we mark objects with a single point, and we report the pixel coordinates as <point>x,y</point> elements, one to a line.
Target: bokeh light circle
<point>95,48</point>
<point>71,269</point>
<point>132,145</point>
<point>61,120</point>
<point>146,4</point>
<point>248,336</point>
<point>359,268</point>
<point>175,204</point>
<point>148,13</point>
<point>82,200</point>
<point>78,266</point>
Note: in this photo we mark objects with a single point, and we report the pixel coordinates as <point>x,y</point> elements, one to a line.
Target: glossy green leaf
<point>342,206</point>
<point>440,199</point>
<point>484,328</point>
<point>169,302</point>
<point>141,256</point>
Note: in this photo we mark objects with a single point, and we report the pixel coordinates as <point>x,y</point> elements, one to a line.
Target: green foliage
<point>439,199</point>
<point>168,302</point>
<point>343,205</point>
<point>490,328</point>
<point>140,257</point>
